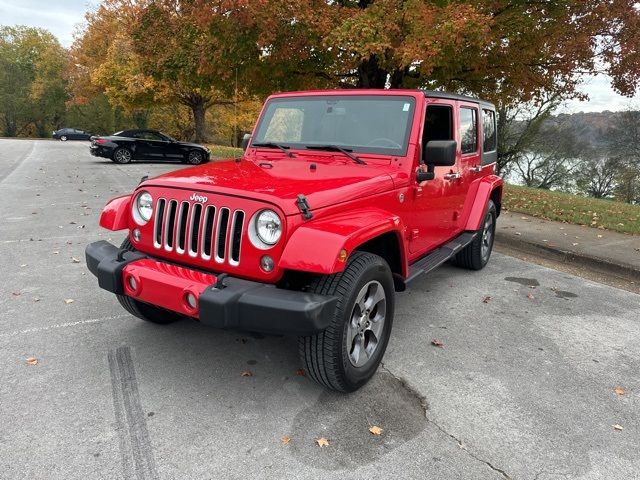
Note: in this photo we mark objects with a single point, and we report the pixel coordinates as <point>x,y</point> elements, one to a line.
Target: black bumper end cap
<point>106,262</point>
<point>258,307</point>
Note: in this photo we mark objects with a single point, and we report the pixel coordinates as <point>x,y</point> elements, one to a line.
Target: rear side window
<point>489,142</point>
<point>468,130</point>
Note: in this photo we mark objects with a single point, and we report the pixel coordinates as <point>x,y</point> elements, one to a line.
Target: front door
<point>150,145</point>
<point>436,202</point>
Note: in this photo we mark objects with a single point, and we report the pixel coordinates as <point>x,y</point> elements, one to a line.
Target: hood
<point>281,181</point>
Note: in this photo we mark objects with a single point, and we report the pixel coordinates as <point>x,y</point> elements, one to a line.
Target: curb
<point>598,264</point>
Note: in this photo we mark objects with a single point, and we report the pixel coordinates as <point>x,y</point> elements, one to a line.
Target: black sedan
<point>128,145</point>
<point>65,134</point>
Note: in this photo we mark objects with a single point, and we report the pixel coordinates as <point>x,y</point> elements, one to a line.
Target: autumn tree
<point>32,86</point>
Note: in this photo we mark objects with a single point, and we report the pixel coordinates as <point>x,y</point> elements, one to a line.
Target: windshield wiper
<point>346,151</point>
<point>284,148</point>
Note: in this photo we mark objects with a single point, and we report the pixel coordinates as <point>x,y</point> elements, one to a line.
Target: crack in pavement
<point>423,401</point>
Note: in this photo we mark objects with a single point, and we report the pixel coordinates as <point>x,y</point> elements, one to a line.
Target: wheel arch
<point>115,214</point>
<point>370,230</point>
<point>487,188</point>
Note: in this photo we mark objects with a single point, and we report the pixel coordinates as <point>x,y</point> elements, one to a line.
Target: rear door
<point>468,137</point>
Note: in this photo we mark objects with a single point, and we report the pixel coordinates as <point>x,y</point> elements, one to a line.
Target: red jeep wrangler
<point>340,199</point>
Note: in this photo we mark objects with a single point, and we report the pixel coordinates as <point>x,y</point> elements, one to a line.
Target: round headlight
<point>268,227</point>
<point>143,207</point>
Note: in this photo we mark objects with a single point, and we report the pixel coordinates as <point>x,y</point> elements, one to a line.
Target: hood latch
<point>303,205</point>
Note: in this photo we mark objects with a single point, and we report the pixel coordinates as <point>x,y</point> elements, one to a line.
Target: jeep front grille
<point>198,230</point>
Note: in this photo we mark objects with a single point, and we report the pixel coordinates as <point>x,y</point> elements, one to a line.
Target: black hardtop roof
<point>455,96</point>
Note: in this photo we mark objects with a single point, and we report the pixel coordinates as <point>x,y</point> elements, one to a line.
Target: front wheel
<point>347,354</point>
<point>195,157</point>
<point>63,138</point>
<point>476,255</point>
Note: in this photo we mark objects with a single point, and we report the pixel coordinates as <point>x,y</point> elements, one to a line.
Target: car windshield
<point>364,123</point>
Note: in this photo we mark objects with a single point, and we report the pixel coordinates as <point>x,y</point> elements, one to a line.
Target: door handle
<point>476,169</point>
<point>452,176</point>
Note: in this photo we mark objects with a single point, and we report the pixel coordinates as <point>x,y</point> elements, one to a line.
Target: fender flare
<point>315,246</point>
<point>115,214</point>
<point>483,192</point>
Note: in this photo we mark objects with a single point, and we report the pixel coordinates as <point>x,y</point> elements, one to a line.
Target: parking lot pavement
<point>522,386</point>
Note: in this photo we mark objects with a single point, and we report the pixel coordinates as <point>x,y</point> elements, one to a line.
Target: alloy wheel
<point>364,332</point>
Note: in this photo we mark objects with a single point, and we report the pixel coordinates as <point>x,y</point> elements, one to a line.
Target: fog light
<point>133,285</point>
<point>136,234</point>
<point>266,263</point>
<point>191,300</point>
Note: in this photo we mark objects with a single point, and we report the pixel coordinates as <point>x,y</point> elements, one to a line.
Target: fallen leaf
<point>518,233</point>
<point>301,373</point>
<point>55,252</point>
<point>322,442</point>
<point>619,391</point>
<point>599,236</point>
<point>530,296</point>
<point>437,343</point>
<point>285,440</point>
<point>486,299</point>
<point>74,260</point>
<point>376,430</point>
<point>32,361</point>
<point>36,299</point>
<point>575,243</point>
<point>247,373</point>
<point>68,300</point>
<point>618,427</point>
<point>23,265</point>
<point>15,294</point>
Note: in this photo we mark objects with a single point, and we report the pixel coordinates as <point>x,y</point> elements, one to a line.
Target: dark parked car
<point>128,145</point>
<point>65,134</point>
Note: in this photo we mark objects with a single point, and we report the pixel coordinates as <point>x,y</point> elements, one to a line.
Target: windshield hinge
<point>303,205</point>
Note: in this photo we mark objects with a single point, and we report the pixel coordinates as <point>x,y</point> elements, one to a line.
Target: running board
<point>440,255</point>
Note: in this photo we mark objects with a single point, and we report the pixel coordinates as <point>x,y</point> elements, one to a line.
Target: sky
<point>62,19</point>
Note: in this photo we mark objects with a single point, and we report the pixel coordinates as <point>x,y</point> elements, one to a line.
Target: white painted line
<point>60,325</point>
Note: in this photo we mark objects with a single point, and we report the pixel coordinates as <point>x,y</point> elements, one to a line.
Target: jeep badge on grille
<point>198,198</point>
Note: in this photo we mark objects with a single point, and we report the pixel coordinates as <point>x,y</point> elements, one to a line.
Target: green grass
<point>222,151</point>
<point>565,207</point>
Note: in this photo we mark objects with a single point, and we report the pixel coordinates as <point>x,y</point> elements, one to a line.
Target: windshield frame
<point>360,149</point>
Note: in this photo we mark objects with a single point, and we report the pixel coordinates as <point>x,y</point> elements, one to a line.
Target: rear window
<point>489,142</point>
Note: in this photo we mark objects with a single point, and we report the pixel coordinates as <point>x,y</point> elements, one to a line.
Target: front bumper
<point>231,303</point>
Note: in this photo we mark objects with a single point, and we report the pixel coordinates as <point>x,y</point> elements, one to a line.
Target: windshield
<point>368,123</point>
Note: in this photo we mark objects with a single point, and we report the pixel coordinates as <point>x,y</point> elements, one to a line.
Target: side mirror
<point>245,140</point>
<point>440,153</point>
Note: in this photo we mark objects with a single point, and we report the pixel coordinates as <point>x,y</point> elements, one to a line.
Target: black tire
<point>195,157</point>
<point>122,155</point>
<point>63,138</point>
<point>326,356</point>
<point>474,256</point>
<point>144,311</point>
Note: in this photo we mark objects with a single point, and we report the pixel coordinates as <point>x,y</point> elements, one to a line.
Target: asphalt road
<point>522,388</point>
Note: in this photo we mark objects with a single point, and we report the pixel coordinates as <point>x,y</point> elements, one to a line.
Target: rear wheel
<point>476,255</point>
<point>122,155</point>
<point>347,354</point>
<point>142,310</point>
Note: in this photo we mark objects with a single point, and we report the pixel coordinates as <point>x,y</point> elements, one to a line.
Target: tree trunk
<point>370,75</point>
<point>199,109</point>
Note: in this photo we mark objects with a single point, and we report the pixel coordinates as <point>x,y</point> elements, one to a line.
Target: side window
<point>439,123</point>
<point>489,142</point>
<point>468,130</point>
